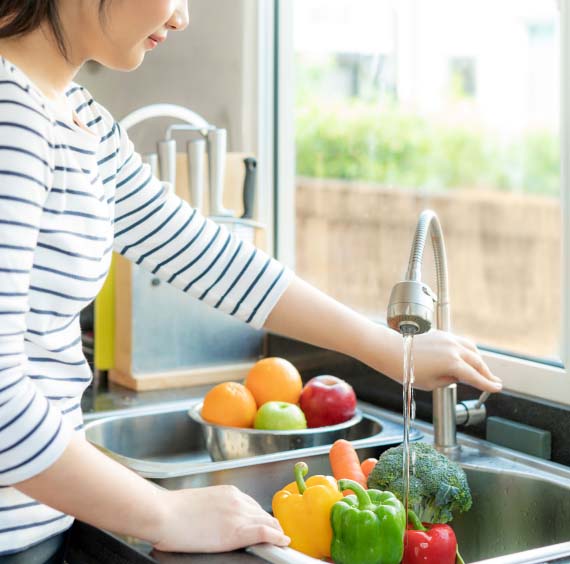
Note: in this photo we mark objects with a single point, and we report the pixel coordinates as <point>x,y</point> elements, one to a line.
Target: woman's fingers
<point>269,520</point>
<point>255,534</point>
<point>472,356</point>
<point>467,343</point>
<point>475,361</point>
<point>467,374</point>
<point>259,526</point>
<point>260,517</point>
<point>442,358</point>
<point>262,520</point>
<point>248,499</point>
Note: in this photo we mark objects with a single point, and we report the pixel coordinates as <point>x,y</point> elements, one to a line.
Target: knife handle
<point>249,186</point>
<point>196,151</point>
<point>167,160</point>
<point>152,160</point>
<point>217,149</point>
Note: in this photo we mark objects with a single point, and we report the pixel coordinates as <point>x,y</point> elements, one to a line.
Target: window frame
<point>521,376</point>
<point>284,134</point>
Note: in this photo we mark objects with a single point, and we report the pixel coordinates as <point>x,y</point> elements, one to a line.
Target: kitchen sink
<point>165,442</point>
<point>521,505</point>
<point>513,511</point>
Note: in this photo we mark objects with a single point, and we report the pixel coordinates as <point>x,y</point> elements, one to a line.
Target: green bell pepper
<point>368,528</point>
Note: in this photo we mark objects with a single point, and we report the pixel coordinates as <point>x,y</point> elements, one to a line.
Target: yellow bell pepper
<point>303,510</point>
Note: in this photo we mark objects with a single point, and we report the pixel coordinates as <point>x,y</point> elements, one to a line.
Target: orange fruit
<point>274,379</point>
<point>230,404</point>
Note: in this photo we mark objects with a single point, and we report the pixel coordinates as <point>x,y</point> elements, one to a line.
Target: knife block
<point>165,338</point>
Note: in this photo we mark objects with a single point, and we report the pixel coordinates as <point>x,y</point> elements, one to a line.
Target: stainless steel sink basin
<point>521,505</point>
<point>512,512</point>
<point>165,442</point>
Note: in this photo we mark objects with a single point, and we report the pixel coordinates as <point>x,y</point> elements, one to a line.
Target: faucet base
<point>452,452</point>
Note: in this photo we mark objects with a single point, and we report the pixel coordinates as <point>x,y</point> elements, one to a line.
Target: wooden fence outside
<point>504,253</point>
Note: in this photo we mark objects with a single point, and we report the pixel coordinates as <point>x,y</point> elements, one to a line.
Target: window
<point>452,105</point>
<point>462,77</point>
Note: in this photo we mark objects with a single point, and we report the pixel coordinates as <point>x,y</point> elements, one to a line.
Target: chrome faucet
<point>410,311</point>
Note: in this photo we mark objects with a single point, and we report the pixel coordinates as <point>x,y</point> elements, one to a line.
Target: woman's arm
<point>85,483</point>
<point>166,236</point>
<point>307,314</point>
<point>208,263</point>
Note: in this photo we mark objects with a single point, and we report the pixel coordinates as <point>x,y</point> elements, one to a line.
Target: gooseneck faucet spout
<point>411,310</point>
<point>412,302</point>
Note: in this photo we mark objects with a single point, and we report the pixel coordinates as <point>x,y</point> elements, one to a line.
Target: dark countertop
<point>89,545</point>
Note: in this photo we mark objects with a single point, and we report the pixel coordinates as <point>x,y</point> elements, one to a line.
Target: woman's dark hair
<point>18,17</point>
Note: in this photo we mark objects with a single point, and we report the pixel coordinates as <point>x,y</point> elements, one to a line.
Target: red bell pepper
<point>430,544</point>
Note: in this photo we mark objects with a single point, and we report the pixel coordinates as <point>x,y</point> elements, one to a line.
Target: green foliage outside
<point>355,140</point>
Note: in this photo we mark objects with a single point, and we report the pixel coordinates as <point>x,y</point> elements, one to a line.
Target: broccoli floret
<point>438,486</point>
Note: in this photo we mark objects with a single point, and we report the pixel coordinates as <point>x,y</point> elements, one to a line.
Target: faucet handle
<point>472,412</point>
<point>482,399</point>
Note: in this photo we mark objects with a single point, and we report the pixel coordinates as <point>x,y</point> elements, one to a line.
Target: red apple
<point>327,400</point>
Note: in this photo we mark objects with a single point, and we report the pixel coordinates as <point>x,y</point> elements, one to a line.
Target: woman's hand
<point>215,519</point>
<point>85,483</point>
<point>441,358</point>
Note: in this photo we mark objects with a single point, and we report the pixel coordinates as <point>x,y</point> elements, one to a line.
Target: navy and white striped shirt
<point>68,198</point>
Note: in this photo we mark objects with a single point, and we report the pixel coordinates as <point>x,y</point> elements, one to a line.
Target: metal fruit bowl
<point>229,443</point>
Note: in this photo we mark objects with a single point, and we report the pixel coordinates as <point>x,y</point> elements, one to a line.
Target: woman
<point>72,189</point>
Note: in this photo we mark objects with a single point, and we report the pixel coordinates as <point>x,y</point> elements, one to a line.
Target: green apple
<point>279,416</point>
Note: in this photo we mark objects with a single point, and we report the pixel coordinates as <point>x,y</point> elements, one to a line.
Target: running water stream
<point>409,415</point>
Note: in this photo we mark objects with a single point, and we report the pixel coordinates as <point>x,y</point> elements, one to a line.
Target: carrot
<point>345,464</point>
<point>367,466</point>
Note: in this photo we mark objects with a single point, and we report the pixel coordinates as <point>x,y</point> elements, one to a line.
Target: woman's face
<point>125,30</point>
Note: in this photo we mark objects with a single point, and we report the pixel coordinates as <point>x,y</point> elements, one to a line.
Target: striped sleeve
<point>167,236</point>
<point>32,434</point>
